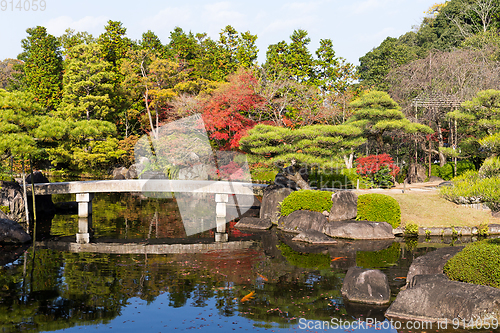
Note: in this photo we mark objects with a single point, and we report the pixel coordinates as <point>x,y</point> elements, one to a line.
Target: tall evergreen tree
<point>88,83</point>
<point>42,66</point>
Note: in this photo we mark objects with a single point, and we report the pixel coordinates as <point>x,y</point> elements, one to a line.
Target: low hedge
<point>317,201</point>
<point>477,263</point>
<point>379,208</point>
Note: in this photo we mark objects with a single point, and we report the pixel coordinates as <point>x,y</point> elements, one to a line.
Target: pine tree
<point>315,146</point>
<point>377,114</point>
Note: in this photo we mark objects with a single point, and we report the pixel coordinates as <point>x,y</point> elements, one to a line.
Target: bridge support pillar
<point>220,212</point>
<point>84,217</point>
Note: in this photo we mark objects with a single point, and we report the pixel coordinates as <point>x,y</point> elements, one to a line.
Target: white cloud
<point>91,24</point>
<point>222,12</point>
<point>169,17</point>
<point>370,5</point>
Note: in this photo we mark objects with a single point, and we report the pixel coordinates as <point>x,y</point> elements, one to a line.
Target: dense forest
<point>78,104</point>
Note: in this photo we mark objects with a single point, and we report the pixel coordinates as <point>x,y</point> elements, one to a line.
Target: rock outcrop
<point>273,196</point>
<point>359,230</point>
<point>431,296</point>
<point>12,232</point>
<point>302,220</point>
<point>44,204</point>
<point>314,237</point>
<point>345,206</point>
<point>254,223</point>
<point>11,197</point>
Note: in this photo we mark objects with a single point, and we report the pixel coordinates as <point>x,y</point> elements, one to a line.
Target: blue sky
<point>354,26</point>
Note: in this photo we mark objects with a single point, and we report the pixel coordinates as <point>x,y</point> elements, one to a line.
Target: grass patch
<point>477,263</point>
<point>429,209</point>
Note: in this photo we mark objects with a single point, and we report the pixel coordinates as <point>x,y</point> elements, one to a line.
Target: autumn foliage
<point>372,164</point>
<point>227,112</point>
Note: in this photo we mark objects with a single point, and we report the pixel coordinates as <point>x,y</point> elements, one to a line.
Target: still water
<point>270,285</point>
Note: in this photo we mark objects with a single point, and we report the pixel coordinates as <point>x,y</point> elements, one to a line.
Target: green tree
<point>88,83</point>
<point>315,146</point>
<point>42,66</point>
<point>376,64</point>
<point>20,115</point>
<point>294,58</point>
<point>477,119</point>
<point>72,38</point>
<point>114,43</point>
<point>377,114</point>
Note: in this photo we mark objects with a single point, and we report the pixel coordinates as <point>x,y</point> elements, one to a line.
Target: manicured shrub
<point>477,263</point>
<point>379,208</point>
<point>317,201</point>
<point>411,229</point>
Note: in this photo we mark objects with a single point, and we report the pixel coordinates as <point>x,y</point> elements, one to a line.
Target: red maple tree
<point>370,165</point>
<point>227,112</point>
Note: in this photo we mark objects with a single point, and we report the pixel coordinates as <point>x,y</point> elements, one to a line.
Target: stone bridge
<point>85,190</point>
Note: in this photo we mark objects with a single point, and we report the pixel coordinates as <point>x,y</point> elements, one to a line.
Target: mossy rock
<point>379,208</point>
<point>317,201</point>
<point>477,263</point>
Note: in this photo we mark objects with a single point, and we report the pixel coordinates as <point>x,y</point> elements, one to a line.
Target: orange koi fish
<point>338,258</point>
<point>263,277</point>
<point>248,297</point>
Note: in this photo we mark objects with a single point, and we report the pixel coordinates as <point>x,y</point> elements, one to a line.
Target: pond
<point>271,284</point>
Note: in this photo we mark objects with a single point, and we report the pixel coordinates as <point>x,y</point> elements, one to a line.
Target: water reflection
<point>50,290</point>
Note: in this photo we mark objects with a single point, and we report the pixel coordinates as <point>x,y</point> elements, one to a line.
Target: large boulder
<point>359,230</point>
<point>302,220</point>
<point>273,196</point>
<point>314,237</point>
<point>431,263</point>
<point>11,197</point>
<point>254,223</point>
<point>345,206</point>
<point>44,204</point>
<point>436,298</point>
<point>12,232</point>
<point>120,173</point>
<point>369,286</point>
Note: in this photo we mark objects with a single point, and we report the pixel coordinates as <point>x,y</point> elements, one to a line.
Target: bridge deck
<point>146,185</point>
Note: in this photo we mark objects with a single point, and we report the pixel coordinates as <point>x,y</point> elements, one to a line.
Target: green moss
<point>305,260</point>
<point>317,201</point>
<point>383,258</point>
<point>5,209</point>
<point>477,263</point>
<point>379,208</point>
